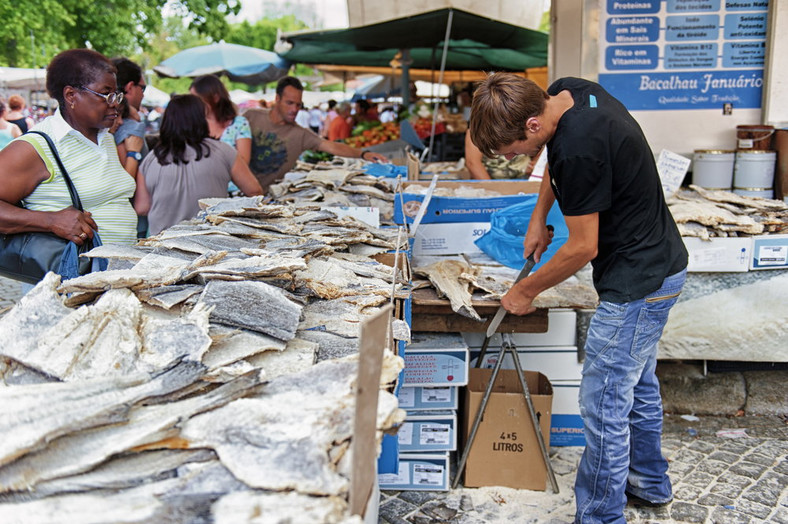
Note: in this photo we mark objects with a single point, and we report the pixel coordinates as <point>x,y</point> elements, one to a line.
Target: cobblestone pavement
<point>10,293</point>
<point>725,470</point>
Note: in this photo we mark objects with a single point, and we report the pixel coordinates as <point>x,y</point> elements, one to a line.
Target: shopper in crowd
<point>485,168</point>
<point>16,113</point>
<point>302,117</point>
<point>83,83</point>
<point>603,175</point>
<point>129,131</point>
<point>187,164</point>
<point>315,119</point>
<point>224,122</point>
<point>339,128</point>
<point>277,141</point>
<point>331,113</point>
<point>365,112</point>
<point>8,130</point>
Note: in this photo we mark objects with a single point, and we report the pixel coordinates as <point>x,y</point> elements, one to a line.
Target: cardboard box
<point>718,254</point>
<point>428,398</point>
<point>449,238</point>
<point>506,451</point>
<point>561,331</point>
<point>436,359</point>
<point>769,252</point>
<point>555,362</point>
<point>418,472</point>
<point>462,209</point>
<point>428,431</point>
<point>566,427</point>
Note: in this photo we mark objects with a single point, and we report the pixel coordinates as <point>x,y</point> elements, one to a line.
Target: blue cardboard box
<point>427,431</point>
<point>421,398</point>
<point>436,359</point>
<point>418,472</point>
<point>461,208</point>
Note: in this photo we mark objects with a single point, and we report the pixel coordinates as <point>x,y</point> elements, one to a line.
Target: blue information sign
<point>628,57</point>
<point>692,27</point>
<point>632,29</point>
<point>690,56</point>
<point>693,90</point>
<point>693,6</point>
<point>632,7</point>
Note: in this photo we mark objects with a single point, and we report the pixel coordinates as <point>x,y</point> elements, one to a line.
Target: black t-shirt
<point>600,162</point>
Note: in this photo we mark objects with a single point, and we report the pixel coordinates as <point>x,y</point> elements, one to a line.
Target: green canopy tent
<point>443,39</point>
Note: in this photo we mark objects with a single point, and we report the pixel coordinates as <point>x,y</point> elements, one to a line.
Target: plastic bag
<point>387,170</point>
<point>504,240</point>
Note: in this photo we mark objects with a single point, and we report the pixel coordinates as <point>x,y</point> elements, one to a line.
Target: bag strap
<point>71,189</point>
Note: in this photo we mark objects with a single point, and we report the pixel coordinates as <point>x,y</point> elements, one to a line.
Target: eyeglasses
<point>142,86</point>
<point>110,98</point>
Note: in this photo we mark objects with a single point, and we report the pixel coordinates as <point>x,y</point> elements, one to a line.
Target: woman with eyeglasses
<point>83,83</point>
<point>186,165</point>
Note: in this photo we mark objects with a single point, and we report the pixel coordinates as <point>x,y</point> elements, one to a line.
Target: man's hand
<point>374,157</point>
<point>537,239</point>
<point>517,302</point>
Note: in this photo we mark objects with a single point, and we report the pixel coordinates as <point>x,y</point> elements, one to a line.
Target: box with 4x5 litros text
<point>506,450</point>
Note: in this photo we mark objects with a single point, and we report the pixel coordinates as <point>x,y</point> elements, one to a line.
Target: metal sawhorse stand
<point>507,346</point>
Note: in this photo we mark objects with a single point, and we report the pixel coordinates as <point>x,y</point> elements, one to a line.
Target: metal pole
<point>440,76</point>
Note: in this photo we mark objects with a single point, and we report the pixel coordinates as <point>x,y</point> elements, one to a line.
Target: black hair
<point>128,71</point>
<point>288,81</point>
<point>332,103</point>
<point>183,124</point>
<point>75,67</point>
<point>213,93</point>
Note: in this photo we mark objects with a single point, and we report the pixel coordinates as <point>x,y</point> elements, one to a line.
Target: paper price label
<point>434,434</point>
<point>407,397</point>
<point>427,474</point>
<point>440,395</point>
<point>405,434</point>
<point>772,255</point>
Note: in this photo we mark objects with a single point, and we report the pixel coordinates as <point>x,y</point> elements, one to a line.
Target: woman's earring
<point>72,105</point>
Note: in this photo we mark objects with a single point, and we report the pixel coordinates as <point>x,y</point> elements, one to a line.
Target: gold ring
<point>83,236</point>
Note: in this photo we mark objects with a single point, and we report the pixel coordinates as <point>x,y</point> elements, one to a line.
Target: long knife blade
<point>524,272</point>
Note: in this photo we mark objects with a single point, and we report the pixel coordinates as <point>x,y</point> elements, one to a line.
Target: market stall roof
<point>475,43</point>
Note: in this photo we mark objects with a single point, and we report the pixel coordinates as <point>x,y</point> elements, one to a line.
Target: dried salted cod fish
<point>285,226</point>
<point>709,214</point>
<point>306,214</point>
<point>369,191</point>
<point>368,267</point>
<point>733,198</point>
<point>178,338</point>
<point>299,355</point>
<point>281,439</point>
<point>270,211</point>
<point>310,194</point>
<point>117,251</point>
<point>328,279</point>
<point>126,471</point>
<point>445,276</point>
<point>262,265</point>
<point>331,345</point>
<point>293,246</point>
<point>367,250</point>
<point>168,296</point>
<point>230,205</point>
<point>152,270</point>
<point>231,345</point>
<point>146,426</point>
<point>202,244</point>
<point>693,229</point>
<point>92,341</point>
<point>37,311</point>
<point>332,179</point>
<point>277,508</point>
<point>13,373</point>
<point>252,305</point>
<point>33,415</point>
<point>341,316</point>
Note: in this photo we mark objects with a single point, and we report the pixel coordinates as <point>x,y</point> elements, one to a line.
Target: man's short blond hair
<point>501,105</point>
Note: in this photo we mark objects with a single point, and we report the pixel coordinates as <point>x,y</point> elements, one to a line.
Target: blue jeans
<point>621,407</point>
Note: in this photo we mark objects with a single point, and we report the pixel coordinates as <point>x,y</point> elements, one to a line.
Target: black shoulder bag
<point>29,256</point>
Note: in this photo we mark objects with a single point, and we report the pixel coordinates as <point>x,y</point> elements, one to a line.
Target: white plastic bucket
<point>754,192</point>
<point>713,169</point>
<point>754,169</point>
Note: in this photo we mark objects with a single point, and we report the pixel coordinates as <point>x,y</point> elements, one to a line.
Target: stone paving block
<point>417,498</point>
<point>779,516</point>
<point>687,492</point>
<point>724,456</point>
<point>726,489</point>
<point>748,469</point>
<point>699,479</point>
<point>395,508</point>
<point>701,447</point>
<point>754,509</point>
<point>739,446</point>
<point>729,516</point>
<point>774,447</point>
<point>715,500</point>
<point>439,510</point>
<point>679,470</point>
<point>761,459</point>
<point>765,491</point>
<point>683,512</point>
<point>712,467</point>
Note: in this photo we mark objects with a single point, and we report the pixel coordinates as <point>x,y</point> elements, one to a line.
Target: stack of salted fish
<point>181,384</point>
<point>337,186</point>
<point>706,213</point>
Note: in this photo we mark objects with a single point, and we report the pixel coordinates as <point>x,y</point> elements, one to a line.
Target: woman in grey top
<point>187,165</point>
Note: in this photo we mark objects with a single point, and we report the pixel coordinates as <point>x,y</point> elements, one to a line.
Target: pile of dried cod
<point>184,388</point>
<point>706,213</point>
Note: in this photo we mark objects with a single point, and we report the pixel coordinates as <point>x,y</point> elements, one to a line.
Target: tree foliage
<point>33,31</point>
